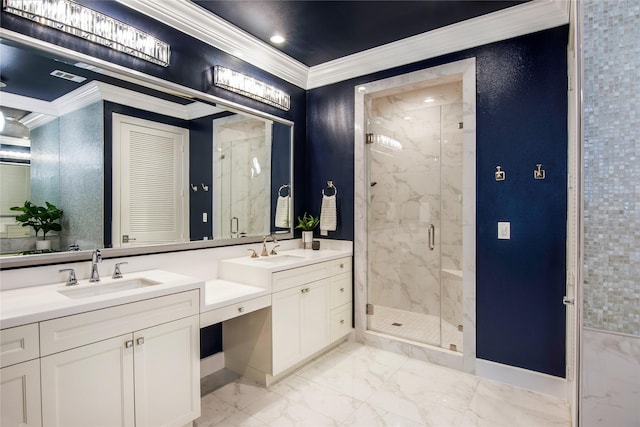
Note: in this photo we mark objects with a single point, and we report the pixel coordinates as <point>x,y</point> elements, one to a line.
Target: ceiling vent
<point>68,76</point>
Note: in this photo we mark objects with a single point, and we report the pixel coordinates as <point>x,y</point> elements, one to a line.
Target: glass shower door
<point>404,217</point>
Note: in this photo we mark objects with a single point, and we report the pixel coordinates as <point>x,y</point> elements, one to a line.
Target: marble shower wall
<point>416,165</point>
<point>242,175</point>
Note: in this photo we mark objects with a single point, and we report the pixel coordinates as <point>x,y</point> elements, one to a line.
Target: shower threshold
<point>421,328</point>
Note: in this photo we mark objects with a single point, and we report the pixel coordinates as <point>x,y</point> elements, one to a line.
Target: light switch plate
<point>504,230</point>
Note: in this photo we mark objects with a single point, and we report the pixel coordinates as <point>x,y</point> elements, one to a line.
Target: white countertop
<point>220,293</point>
<point>38,303</point>
<point>290,259</point>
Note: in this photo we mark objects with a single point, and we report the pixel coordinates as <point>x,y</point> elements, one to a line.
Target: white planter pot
<point>307,238</point>
<point>42,245</point>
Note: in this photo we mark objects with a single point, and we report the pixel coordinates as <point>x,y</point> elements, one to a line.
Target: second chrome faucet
<point>96,258</point>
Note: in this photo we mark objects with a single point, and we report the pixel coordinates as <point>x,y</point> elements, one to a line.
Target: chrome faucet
<point>275,243</point>
<point>71,280</point>
<point>96,258</point>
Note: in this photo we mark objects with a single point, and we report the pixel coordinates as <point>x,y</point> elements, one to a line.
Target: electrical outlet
<point>204,217</point>
<point>504,230</point>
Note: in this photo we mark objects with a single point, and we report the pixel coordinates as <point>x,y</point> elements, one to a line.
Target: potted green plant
<point>40,218</point>
<point>307,223</point>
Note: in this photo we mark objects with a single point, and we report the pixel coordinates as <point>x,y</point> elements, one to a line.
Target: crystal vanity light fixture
<point>250,87</point>
<point>80,21</point>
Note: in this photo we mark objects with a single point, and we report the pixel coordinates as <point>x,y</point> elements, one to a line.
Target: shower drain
<point>396,324</point>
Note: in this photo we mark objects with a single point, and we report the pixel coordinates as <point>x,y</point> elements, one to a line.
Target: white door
<point>167,376</point>
<point>90,385</point>
<point>20,395</point>
<point>150,175</point>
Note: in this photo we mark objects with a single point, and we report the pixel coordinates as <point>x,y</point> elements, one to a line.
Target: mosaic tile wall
<point>611,154</point>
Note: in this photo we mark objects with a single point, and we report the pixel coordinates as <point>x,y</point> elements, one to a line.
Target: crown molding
<point>44,111</point>
<point>526,18</point>
<point>199,23</point>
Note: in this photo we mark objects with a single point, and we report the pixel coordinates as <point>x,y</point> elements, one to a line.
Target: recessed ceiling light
<point>277,39</point>
<point>429,99</point>
<point>362,88</point>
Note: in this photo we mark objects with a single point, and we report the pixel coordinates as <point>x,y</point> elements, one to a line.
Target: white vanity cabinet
<point>300,323</point>
<point>305,303</point>
<point>20,377</point>
<point>131,365</point>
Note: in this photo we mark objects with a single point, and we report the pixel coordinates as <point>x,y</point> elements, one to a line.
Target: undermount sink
<point>109,288</point>
<point>279,258</point>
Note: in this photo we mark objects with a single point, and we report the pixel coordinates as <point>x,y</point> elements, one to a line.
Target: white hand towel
<point>328,215</point>
<point>282,212</point>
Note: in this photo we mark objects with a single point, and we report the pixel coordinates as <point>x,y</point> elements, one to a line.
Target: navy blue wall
<point>521,121</point>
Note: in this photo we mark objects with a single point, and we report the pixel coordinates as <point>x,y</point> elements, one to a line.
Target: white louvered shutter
<point>152,204</point>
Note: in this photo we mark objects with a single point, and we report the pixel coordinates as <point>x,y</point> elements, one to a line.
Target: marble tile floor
<point>357,385</point>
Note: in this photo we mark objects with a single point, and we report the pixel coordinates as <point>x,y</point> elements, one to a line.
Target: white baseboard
<point>211,364</point>
<point>523,378</point>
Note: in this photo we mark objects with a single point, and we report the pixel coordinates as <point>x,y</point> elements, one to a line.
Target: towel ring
<point>284,187</point>
<point>330,185</point>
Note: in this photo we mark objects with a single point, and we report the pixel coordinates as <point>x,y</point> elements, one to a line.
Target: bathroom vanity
<point>82,355</point>
<point>125,352</point>
<point>310,311</point>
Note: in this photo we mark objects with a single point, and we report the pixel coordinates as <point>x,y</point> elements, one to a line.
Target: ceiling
<point>320,31</point>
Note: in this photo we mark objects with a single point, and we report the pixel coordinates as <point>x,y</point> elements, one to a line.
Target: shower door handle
<point>234,230</point>
<point>432,237</point>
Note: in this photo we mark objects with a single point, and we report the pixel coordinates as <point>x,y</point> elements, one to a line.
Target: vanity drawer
<point>338,266</point>
<point>340,322</point>
<point>221,314</point>
<point>310,273</point>
<point>340,292</point>
<point>85,328</point>
<point>19,344</point>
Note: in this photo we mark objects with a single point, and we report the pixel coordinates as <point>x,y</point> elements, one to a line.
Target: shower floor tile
<point>422,328</point>
<point>357,385</point>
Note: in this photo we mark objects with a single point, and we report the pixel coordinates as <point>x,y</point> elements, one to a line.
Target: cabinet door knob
<point>128,344</point>
<point>240,309</point>
<point>140,341</point>
<point>342,322</point>
<point>341,289</point>
<point>341,265</point>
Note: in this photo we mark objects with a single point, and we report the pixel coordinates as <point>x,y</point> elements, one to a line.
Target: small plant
<point>308,222</point>
<point>39,217</point>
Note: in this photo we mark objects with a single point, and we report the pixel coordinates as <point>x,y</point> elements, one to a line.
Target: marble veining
<point>610,379</point>
<point>356,385</point>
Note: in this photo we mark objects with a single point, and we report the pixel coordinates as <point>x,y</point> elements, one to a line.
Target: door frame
<point>464,70</point>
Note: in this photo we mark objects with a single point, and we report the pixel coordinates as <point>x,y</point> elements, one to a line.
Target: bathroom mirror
<point>138,167</point>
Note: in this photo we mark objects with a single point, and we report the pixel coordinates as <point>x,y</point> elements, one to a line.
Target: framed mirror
<point>137,165</point>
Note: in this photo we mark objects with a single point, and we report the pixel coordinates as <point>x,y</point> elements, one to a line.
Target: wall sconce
<point>75,19</point>
<point>250,87</point>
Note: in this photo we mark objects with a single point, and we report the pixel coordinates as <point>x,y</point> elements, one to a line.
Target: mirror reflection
<point>130,165</point>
